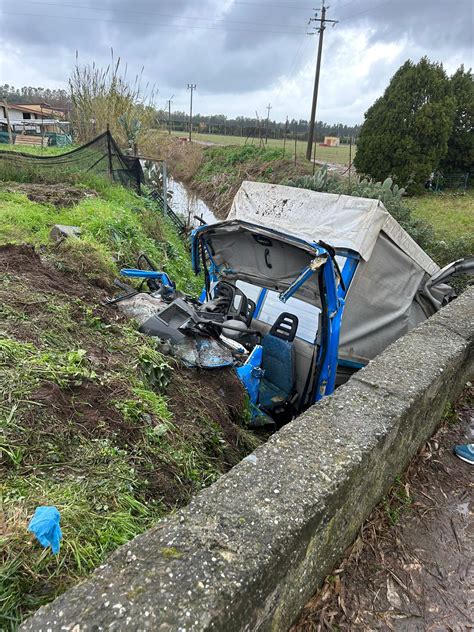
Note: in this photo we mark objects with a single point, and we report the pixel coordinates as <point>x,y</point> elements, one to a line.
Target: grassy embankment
<point>93,419</point>
<point>216,173</point>
<point>451,214</point>
<point>339,155</point>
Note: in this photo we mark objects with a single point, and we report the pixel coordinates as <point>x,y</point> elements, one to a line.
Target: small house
<point>331,141</point>
<point>33,123</point>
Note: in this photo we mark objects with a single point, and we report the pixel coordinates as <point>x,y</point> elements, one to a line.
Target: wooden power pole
<point>322,26</point>
<point>169,113</point>
<point>192,87</point>
<point>269,107</point>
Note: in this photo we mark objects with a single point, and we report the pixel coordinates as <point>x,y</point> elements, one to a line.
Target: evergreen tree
<point>405,133</point>
<point>460,156</point>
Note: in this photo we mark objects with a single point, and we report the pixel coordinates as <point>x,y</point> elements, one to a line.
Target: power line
<point>156,24</point>
<point>163,15</point>
<point>377,6</point>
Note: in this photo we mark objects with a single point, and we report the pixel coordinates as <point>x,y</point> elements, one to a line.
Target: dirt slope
<point>95,422</point>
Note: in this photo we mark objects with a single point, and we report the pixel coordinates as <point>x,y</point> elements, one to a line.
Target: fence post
<point>109,152</point>
<point>165,187</point>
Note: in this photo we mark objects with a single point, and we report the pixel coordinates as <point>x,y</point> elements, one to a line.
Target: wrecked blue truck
<point>301,290</point>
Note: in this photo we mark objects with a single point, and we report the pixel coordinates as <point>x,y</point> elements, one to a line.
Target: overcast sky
<point>242,54</point>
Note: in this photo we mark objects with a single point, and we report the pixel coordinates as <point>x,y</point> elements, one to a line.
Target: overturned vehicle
<point>301,289</point>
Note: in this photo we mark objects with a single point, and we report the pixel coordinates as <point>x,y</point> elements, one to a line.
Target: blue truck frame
<point>334,285</point>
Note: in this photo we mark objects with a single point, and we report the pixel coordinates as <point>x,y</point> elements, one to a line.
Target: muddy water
<point>188,205</point>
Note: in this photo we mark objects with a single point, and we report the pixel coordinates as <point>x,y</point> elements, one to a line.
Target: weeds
<point>397,501</point>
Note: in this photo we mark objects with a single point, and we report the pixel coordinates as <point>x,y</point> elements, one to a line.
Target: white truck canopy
<point>387,296</point>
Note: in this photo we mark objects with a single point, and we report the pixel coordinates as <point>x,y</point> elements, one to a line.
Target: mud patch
<point>58,195</point>
<point>410,569</point>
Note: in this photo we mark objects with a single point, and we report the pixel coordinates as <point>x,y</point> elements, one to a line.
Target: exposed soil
<point>25,261</point>
<point>201,402</point>
<point>410,569</point>
<point>59,195</point>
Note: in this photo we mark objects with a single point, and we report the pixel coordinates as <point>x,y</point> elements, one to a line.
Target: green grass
<point>37,151</point>
<point>118,225</point>
<point>451,214</point>
<point>328,154</point>
<point>86,421</point>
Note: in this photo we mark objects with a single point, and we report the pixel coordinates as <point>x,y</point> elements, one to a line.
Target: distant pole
<point>322,26</point>
<point>296,138</point>
<point>315,145</point>
<point>350,158</point>
<point>7,116</point>
<point>192,87</point>
<point>284,137</point>
<point>269,107</point>
<point>164,176</point>
<point>169,113</point>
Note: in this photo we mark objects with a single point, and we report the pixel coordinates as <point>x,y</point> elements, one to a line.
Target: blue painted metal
<point>332,299</point>
<point>334,306</point>
<point>348,272</point>
<point>250,374</point>
<point>260,301</point>
<point>147,274</point>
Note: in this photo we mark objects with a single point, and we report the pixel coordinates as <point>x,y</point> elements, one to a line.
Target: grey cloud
<point>231,57</point>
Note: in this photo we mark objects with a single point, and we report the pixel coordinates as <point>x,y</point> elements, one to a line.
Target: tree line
<point>210,124</point>
<point>253,126</point>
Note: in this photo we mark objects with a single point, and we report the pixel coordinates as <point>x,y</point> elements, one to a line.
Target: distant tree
<point>406,131</point>
<point>460,156</point>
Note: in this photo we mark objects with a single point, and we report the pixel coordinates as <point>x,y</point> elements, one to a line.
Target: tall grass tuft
<point>105,96</point>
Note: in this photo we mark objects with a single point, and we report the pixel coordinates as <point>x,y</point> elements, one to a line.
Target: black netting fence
<point>100,156</point>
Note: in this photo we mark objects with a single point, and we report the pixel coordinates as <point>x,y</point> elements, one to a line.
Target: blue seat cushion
<point>278,365</point>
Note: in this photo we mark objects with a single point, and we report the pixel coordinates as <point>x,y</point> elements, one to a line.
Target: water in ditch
<point>188,205</point>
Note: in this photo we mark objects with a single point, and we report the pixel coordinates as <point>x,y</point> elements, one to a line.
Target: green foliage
<point>105,97</point>
<point>397,501</point>
<point>460,155</point>
<point>406,131</point>
<point>220,160</point>
<point>111,476</point>
<point>116,228</point>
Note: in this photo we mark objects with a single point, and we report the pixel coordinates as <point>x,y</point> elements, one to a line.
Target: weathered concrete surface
<point>248,552</point>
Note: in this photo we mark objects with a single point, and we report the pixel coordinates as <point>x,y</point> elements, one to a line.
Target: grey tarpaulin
<point>387,296</point>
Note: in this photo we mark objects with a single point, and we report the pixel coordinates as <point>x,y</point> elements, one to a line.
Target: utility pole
<point>286,133</point>
<point>169,113</point>
<point>322,26</point>
<point>269,107</point>
<point>192,87</point>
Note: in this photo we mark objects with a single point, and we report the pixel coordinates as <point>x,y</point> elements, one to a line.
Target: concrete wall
<point>248,552</point>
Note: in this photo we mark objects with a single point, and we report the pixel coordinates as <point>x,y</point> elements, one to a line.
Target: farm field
<point>330,154</point>
<point>451,214</point>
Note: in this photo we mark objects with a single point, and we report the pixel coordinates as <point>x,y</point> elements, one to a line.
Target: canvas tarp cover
<point>343,221</point>
<point>383,301</point>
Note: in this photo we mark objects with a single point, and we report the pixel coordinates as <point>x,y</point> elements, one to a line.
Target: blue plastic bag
<point>45,526</point>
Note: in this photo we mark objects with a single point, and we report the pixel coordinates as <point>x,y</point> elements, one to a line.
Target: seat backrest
<point>278,360</point>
